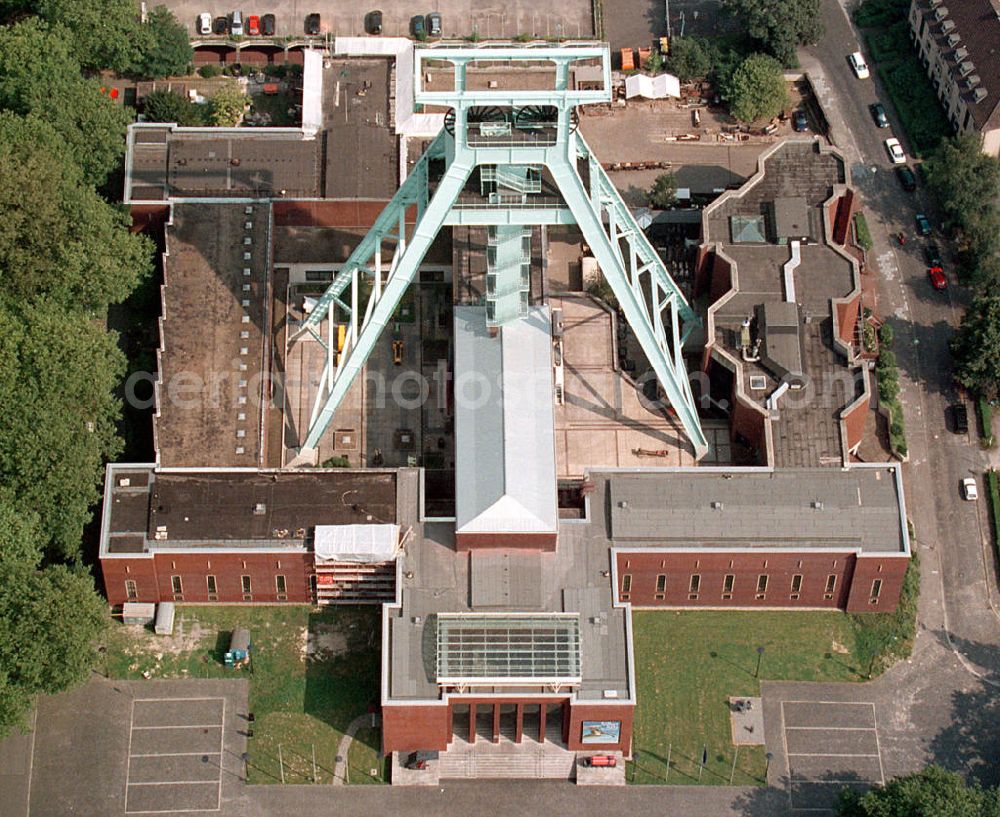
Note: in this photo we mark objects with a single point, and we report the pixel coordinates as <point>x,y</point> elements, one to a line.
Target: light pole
<point>760,654</point>
<point>635,764</point>
<point>245,757</point>
<point>767,766</point>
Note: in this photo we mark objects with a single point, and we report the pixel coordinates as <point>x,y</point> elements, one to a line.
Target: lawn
<point>690,663</point>
<point>314,671</point>
<point>364,756</point>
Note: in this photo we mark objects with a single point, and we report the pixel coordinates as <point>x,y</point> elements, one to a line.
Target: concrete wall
<point>646,589</point>
<point>153,576</point>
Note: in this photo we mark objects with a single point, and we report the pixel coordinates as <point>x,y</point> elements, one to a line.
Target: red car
<point>938,279</point>
<point>253,25</point>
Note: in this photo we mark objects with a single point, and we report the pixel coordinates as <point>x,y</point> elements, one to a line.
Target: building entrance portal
<point>509,722</point>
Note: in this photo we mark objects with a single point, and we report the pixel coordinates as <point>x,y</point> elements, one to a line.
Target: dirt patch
<point>837,647</point>
<point>323,642</point>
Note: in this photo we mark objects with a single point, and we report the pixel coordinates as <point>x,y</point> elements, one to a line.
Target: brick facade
<point>834,580</point>
<point>407,728</point>
<point>526,541</point>
<point>153,577</point>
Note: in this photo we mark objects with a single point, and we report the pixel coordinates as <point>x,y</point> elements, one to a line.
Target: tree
<point>757,89</point>
<point>105,33</point>
<point>663,193</point>
<point>20,537</point>
<point>930,793</point>
<point>50,621</point>
<point>654,62</point>
<point>59,240</point>
<point>165,50</point>
<point>688,59</point>
<point>966,183</point>
<point>227,105</point>
<point>976,346</point>
<point>779,25</point>
<point>167,106</point>
<point>58,416</point>
<point>39,75</point>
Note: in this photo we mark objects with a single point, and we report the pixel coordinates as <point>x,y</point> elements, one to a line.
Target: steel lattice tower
<point>510,135</point>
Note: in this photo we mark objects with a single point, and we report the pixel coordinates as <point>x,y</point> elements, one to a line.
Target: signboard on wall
<point>601,732</point>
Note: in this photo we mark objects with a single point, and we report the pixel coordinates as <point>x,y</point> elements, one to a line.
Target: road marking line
<point>128,762</point>
<point>184,726</point>
<point>788,762</point>
<point>179,700</point>
<point>838,703</point>
<point>832,728</point>
<point>173,754</point>
<point>824,780</point>
<point>173,811</point>
<point>829,754</point>
<point>222,753</point>
<point>175,783</point>
<point>878,748</point>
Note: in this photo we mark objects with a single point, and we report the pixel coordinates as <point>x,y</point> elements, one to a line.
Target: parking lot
<point>175,755</point>
<point>829,745</point>
<point>460,18</point>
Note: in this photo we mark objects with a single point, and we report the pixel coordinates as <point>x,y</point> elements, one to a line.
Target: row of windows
<point>729,582</point>
<point>177,587</point>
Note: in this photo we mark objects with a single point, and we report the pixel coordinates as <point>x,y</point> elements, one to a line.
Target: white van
<point>236,23</point>
<point>858,64</point>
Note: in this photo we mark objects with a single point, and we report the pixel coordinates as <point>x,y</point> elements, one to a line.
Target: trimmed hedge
<point>993,490</point>
<point>985,413</point>
<point>862,232</point>
<point>877,13</point>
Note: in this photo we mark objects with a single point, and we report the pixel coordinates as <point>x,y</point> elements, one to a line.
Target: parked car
<point>857,62</point>
<point>799,121</point>
<point>236,23</point>
<point>923,224</point>
<point>417,28</point>
<point>221,25</point>
<point>878,114</point>
<point>267,25</point>
<point>253,25</point>
<point>204,23</point>
<point>960,418</point>
<point>970,491</point>
<point>895,151</point>
<point>434,24</point>
<point>373,22</point>
<point>312,24</point>
<point>933,255</point>
<point>906,178</point>
<point>938,279</point>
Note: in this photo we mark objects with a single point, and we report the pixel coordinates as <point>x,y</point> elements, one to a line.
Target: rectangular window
<point>727,583</point>
<point>627,583</point>
<point>131,593</point>
<point>213,588</point>
<point>797,583</point>
<point>245,580</point>
<point>175,585</point>
<point>876,588</point>
<point>313,585</point>
<point>661,583</point>
<point>762,583</point>
<point>831,584</point>
<point>695,585</point>
<point>279,583</point>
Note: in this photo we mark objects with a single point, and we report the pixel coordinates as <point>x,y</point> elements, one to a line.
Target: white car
<point>895,151</point>
<point>858,64</point>
<point>969,490</point>
<point>204,23</point>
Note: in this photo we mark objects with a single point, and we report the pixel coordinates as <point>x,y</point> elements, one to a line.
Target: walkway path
<point>344,749</point>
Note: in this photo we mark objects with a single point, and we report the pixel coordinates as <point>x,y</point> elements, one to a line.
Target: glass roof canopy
<point>508,649</point>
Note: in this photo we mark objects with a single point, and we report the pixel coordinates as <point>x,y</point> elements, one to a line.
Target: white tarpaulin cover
<point>357,543</point>
<point>657,87</point>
